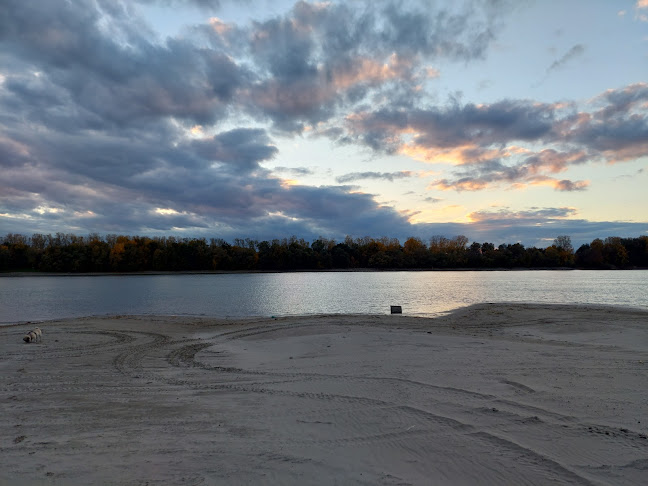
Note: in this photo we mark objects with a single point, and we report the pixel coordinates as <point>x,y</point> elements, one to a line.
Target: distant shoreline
<point>332,270</point>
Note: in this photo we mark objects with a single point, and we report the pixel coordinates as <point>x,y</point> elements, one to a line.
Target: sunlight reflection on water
<point>266,294</point>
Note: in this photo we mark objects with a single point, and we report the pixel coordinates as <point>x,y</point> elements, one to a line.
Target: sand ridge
<point>488,394</point>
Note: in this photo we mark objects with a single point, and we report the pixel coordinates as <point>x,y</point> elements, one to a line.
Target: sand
<point>490,394</point>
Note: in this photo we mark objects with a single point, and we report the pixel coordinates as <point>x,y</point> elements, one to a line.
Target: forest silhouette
<point>70,253</point>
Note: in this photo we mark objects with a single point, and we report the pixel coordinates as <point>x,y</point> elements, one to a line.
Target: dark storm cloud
<point>101,157</point>
<point>166,196</point>
<point>484,125</point>
<point>241,149</point>
<point>454,125</point>
<point>100,62</point>
<point>119,184</point>
<point>386,176</point>
<point>326,203</point>
<point>150,221</point>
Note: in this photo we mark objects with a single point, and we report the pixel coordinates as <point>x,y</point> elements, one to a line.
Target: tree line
<point>118,253</point>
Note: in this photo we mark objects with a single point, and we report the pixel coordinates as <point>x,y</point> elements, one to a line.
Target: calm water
<point>276,294</point>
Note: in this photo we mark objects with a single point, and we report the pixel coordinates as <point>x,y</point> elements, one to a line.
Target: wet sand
<point>490,394</point>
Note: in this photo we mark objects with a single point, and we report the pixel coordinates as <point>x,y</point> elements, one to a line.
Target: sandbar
<point>487,394</point>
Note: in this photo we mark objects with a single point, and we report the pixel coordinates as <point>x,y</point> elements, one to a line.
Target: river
<point>34,298</point>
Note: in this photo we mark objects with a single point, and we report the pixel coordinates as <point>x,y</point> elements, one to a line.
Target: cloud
<point>530,170</point>
<point>452,133</point>
<point>99,65</point>
<point>208,5</point>
<point>468,183</point>
<point>297,171</point>
<point>96,117</point>
<point>618,102</point>
<point>618,130</point>
<point>307,65</point>
<point>539,226</point>
<point>533,215</point>
<point>322,57</point>
<point>99,117</point>
<point>214,184</point>
<point>387,176</point>
<point>240,149</point>
<point>573,52</point>
<point>569,186</point>
<point>640,6</point>
<point>495,144</point>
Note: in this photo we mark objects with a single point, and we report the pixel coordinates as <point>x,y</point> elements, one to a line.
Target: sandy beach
<point>490,394</point>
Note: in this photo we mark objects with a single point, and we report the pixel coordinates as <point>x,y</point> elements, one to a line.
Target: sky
<point>504,121</point>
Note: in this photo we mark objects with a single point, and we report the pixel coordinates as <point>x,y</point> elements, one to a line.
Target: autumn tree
<point>565,250</point>
<point>415,253</point>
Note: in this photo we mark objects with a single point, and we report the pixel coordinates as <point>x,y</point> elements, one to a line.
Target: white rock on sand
<point>491,394</point>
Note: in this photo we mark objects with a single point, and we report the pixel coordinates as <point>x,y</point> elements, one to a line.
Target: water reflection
<point>237,295</point>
